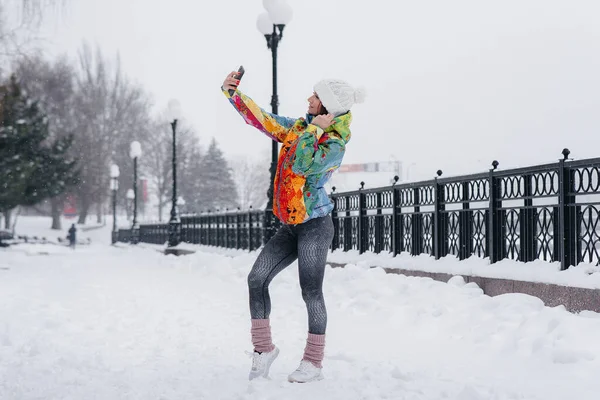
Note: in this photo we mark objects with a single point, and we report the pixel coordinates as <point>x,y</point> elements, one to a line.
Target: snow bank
<point>584,275</point>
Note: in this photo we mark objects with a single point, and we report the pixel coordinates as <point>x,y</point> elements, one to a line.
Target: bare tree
<point>35,7</point>
<point>111,112</point>
<point>25,16</point>
<point>30,13</point>
<point>157,163</point>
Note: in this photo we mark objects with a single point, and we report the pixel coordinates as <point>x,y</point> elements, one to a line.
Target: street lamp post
<point>135,151</point>
<point>114,186</point>
<point>130,196</point>
<point>271,24</point>
<point>174,114</point>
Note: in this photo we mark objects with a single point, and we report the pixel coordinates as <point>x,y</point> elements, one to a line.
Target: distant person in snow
<point>312,149</point>
<point>72,236</point>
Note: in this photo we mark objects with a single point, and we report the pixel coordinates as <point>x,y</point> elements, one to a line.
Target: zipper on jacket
<point>285,159</point>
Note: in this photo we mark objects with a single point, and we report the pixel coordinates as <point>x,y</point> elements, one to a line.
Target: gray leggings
<point>309,243</point>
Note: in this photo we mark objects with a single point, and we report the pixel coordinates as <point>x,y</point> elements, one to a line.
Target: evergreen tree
<point>219,190</point>
<point>31,167</point>
<point>190,178</point>
<point>52,84</point>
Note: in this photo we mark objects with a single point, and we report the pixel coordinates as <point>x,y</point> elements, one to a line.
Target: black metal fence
<point>547,212</point>
<point>235,230</point>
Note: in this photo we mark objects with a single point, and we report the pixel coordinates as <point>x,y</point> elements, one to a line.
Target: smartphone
<point>239,75</point>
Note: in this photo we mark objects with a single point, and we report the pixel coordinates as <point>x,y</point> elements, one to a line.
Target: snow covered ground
<point>130,323</point>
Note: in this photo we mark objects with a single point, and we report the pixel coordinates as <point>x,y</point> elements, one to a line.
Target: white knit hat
<point>338,96</point>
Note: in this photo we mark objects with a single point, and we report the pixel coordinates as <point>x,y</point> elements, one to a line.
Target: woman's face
<point>314,104</point>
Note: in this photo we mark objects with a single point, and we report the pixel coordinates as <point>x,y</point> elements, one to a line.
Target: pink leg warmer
<point>261,335</point>
<point>315,349</point>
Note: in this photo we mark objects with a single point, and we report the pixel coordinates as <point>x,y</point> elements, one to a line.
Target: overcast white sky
<point>451,84</point>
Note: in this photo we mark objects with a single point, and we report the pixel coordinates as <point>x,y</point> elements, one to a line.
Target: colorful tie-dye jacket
<point>308,157</point>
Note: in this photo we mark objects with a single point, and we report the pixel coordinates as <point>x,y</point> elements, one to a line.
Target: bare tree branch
<point>18,37</point>
<point>112,112</point>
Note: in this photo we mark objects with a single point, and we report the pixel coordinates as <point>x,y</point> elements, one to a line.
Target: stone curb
<point>574,299</point>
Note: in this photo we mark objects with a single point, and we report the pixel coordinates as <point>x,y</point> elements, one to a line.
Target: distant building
<point>375,174</point>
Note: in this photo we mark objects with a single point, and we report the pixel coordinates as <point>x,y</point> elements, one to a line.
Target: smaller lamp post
<point>114,186</point>
<point>173,115</point>
<point>135,152</point>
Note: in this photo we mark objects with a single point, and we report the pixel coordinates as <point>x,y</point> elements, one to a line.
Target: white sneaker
<point>261,362</point>
<point>306,372</point>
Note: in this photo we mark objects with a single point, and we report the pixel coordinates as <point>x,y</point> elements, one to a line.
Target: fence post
<point>363,235</point>
<point>218,230</point>
<point>193,228</point>
<point>568,226</point>
<point>348,227</point>
<point>465,236</point>
<point>197,228</point>
<point>227,218</point>
<point>182,230</point>
<point>207,229</point>
<point>250,229</point>
<point>417,224</point>
<point>262,234</point>
<point>378,226</point>
<point>527,223</point>
<point>219,225</point>
<point>201,229</point>
<point>396,219</point>
<point>237,229</point>
<point>495,232</point>
<point>335,243</point>
<point>209,232</point>
<point>438,219</point>
<point>225,222</point>
<point>204,229</point>
<point>201,220</point>
<point>214,229</point>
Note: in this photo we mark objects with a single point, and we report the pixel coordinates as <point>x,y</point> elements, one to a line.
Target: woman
<point>312,149</point>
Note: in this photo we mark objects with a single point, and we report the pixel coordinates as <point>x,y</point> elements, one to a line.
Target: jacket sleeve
<point>272,125</point>
<point>312,157</point>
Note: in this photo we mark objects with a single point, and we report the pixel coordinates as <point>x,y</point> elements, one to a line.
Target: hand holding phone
<point>238,77</point>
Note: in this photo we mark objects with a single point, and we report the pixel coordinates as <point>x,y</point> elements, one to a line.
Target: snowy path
<point>106,323</point>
